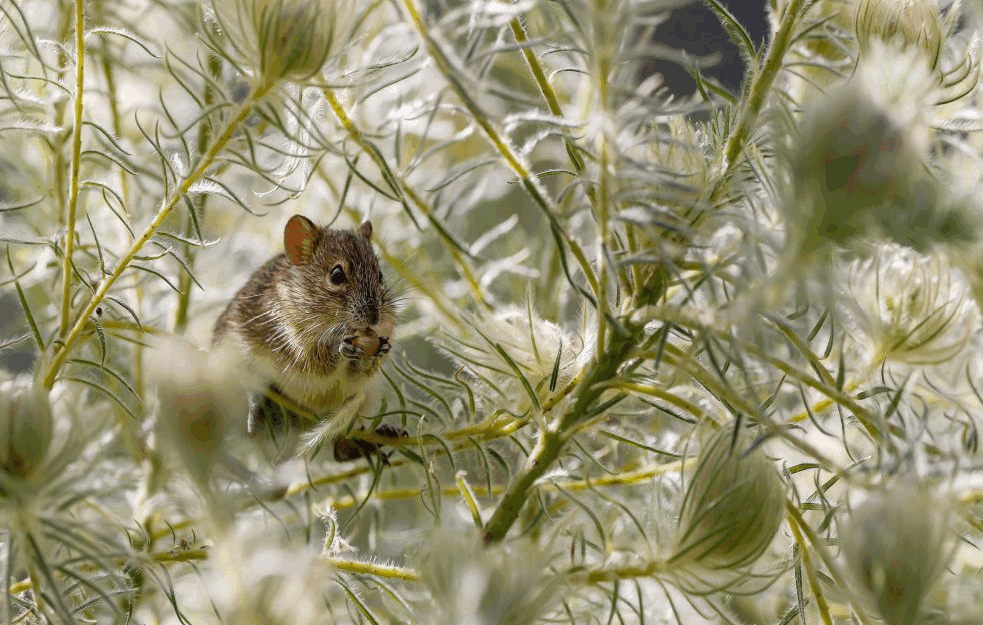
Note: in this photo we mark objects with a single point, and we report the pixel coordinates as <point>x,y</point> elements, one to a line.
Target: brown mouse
<point>316,321</point>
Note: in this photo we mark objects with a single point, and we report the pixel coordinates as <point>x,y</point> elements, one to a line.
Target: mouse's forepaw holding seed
<point>349,349</point>
<point>364,345</point>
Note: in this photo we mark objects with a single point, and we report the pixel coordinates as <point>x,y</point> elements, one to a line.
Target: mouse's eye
<point>381,277</point>
<point>337,275</point>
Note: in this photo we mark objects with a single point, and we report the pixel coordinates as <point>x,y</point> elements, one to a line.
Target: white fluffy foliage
<point>592,275</point>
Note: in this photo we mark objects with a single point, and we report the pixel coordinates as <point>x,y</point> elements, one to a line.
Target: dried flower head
<point>731,510</point>
<point>896,546</point>
<point>280,39</point>
<point>912,308</point>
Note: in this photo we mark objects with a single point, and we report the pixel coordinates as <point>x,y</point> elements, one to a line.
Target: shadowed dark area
<point>695,29</point>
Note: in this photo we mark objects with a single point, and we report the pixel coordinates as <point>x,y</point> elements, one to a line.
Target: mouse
<point>315,322</point>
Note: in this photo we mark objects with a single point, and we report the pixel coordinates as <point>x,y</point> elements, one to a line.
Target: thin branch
<point>73,194</point>
<point>175,196</point>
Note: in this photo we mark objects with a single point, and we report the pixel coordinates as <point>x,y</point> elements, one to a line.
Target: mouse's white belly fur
<point>320,393</point>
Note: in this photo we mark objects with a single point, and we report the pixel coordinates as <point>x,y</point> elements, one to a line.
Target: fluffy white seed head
<point>472,584</point>
<point>535,346</point>
<point>201,399</point>
<point>911,308</point>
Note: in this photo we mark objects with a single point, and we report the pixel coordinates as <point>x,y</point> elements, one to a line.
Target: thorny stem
<point>73,195</point>
<point>761,85</point>
<point>400,185</point>
<point>529,182</point>
<point>179,192</point>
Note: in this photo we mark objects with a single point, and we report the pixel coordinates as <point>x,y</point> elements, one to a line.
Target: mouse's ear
<point>366,229</point>
<point>299,237</point>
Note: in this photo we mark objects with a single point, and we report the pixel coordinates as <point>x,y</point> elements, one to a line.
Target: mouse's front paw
<point>384,346</point>
<point>349,349</point>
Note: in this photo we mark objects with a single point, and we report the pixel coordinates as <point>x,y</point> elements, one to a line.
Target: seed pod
<point>200,400</point>
<point>855,170</point>
<point>280,39</point>
<point>26,430</point>
<point>895,546</point>
<point>905,22</point>
<point>733,505</point>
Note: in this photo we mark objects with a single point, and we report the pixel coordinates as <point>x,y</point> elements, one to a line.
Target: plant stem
<point>552,102</point>
<point>817,590</point>
<point>58,156</point>
<point>399,184</point>
<point>176,195</point>
<point>73,194</point>
<point>204,138</point>
<point>824,555</point>
<point>553,438</point>
<point>761,84</point>
<point>623,478</point>
<point>529,182</point>
<point>378,570</point>
<point>631,572</point>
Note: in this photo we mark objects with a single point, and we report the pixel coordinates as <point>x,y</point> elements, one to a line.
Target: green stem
<point>553,439</point>
<point>58,156</point>
<point>402,187</point>
<point>866,418</point>
<point>834,571</point>
<point>761,84</point>
<point>204,138</point>
<point>552,102</point>
<point>176,195</point>
<point>817,590</point>
<point>529,182</point>
<point>378,570</point>
<point>73,195</point>
<point>629,572</point>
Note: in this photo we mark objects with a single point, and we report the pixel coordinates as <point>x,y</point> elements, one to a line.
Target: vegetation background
<point>664,356</point>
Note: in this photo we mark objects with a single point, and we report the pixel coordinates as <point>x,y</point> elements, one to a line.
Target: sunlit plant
<point>659,358</point>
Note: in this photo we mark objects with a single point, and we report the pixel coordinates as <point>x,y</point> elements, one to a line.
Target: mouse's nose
<point>384,345</point>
